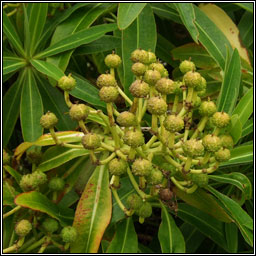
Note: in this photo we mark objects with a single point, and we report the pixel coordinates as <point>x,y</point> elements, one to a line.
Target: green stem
<point>134,106</point>
<point>12,12</point>
<point>151,141</point>
<point>108,159</point>
<point>107,147</point>
<point>207,170</point>
<point>121,92</point>
<point>142,182</point>
<point>173,162</point>
<point>121,155</point>
<point>54,136</point>
<point>175,103</point>
<point>45,244</point>
<point>17,208</point>
<point>188,163</point>
<point>16,246</point>
<point>67,100</point>
<point>206,158</point>
<point>171,140</point>
<point>216,131</point>
<point>83,127</point>
<point>144,109</point>
<point>67,145</point>
<point>112,72</point>
<point>200,127</point>
<point>154,123</point>
<point>93,157</point>
<point>190,94</point>
<point>35,245</point>
<point>187,190</point>
<point>132,154</point>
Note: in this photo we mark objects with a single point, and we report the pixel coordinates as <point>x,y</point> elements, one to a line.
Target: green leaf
<point>247,128</point>
<point>170,237</point>
<point>17,176</point>
<point>235,128</point>
<point>127,13</point>
<point>242,219</point>
<point>125,239</point>
<point>244,108</point>
<point>79,38</point>
<point>245,27</point>
<point>246,6</point>
<point>231,84</point>
<point>48,69</point>
<point>38,202</point>
<point>37,20</point>
<point>56,156</point>
<point>69,199</point>
<point>11,108</point>
<point>9,194</point>
<point>93,212</point>
<point>11,34</point>
<point>237,179</point>
<point>231,237</point>
<point>31,109</point>
<point>187,16</point>
<point>11,64</point>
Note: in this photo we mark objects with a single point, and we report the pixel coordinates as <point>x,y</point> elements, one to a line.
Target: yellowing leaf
<point>227,26</point>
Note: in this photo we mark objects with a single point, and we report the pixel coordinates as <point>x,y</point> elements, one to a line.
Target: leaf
<point>11,34</point>
<point>56,156</point>
<point>246,6</point>
<point>69,199</point>
<point>235,128</point>
<point>11,108</point>
<point>11,64</point>
<point>211,37</point>
<point>245,27</point>
<point>9,194</point>
<point>93,213</point>
<point>244,108</point>
<point>237,179</point>
<point>125,239</point>
<point>187,16</point>
<point>37,20</point>
<point>247,128</point>
<point>31,109</point>
<point>127,13</point>
<point>231,237</point>
<point>38,202</point>
<point>242,219</point>
<point>17,176</point>
<point>170,237</point>
<point>48,69</point>
<point>231,84</point>
<point>79,38</point>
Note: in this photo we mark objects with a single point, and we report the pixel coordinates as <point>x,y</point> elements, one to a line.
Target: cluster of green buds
<point>189,149</point>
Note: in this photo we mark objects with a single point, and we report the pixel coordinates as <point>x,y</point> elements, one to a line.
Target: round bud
<point>34,157</point>
<point>117,166</point>
<point>56,184</point>
<point>67,83</point>
<point>151,57</point>
<point>165,73</point>
<point>112,60</point>
<point>139,69</point>
<point>156,106</point>
<point>91,141</point>
<point>139,89</point>
<point>105,80</point>
<point>79,112</point>
<point>201,86</point>
<point>173,123</point>
<point>165,86</point>
<point>50,225</point>
<point>177,87</point>
<point>166,194</point>
<point>6,158</point>
<point>227,141</point>
<point>40,177</point>
<point>207,108</point>
<point>200,179</point>
<point>193,147</point>
<point>126,119</point>
<point>49,120</point>
<point>201,93</point>
<point>155,177</point>
<point>158,66</point>
<point>108,94</point>
<point>197,102</point>
<point>134,138</point>
<point>145,210</point>
<point>68,234</point>
<point>28,182</point>
<point>211,142</point>
<point>140,56</point>
<point>152,76</point>
<point>134,201</point>
<point>222,155</point>
<point>221,119</point>
<point>192,79</point>
<point>141,167</point>
<point>186,66</point>
<point>23,227</point>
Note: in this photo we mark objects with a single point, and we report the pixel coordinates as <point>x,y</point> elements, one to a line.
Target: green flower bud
<point>155,177</point>
<point>28,182</point>
<point>105,80</point>
<point>207,108</point>
<point>22,228</point>
<point>227,141</point>
<point>152,76</point>
<point>117,166</point>
<point>112,60</point>
<point>40,177</point>
<point>201,86</point>
<point>139,69</point>
<point>193,147</point>
<point>108,94</point>
<point>156,106</point>
<point>209,126</point>
<point>201,93</point>
<point>151,57</point>
<point>91,141</point>
<point>221,119</point>
<point>134,138</point>
<point>56,184</point>
<point>140,56</point>
<point>200,179</point>
<point>145,210</point>
<point>165,73</point>
<point>166,194</point>
<point>173,123</point>
<point>34,157</point>
<point>165,86</point>
<point>139,89</point>
<point>158,66</point>
<point>141,167</point>
<point>49,120</point>
<point>6,158</point>
<point>79,112</point>
<point>177,87</point>
<point>67,83</point>
<point>126,119</point>
<point>192,79</point>
<point>134,201</point>
<point>186,66</point>
<point>68,234</point>
<point>50,225</point>
<point>222,155</point>
<point>211,142</point>
<point>197,102</point>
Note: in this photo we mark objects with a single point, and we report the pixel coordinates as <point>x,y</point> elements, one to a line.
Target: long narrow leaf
<point>11,64</point>
<point>247,128</point>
